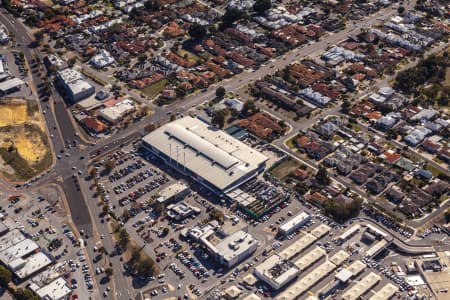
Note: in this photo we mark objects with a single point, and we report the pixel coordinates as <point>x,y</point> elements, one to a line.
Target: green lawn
<point>154,89</point>
<point>290,142</point>
<point>433,170</point>
<point>285,168</point>
<point>190,56</point>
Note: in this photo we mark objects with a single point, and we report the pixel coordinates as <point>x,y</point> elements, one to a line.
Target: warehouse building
<point>10,85</point>
<point>208,155</point>
<point>276,271</point>
<point>74,84</point>
<point>295,223</point>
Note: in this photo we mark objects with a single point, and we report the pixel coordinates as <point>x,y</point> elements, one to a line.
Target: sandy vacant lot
<point>22,134</point>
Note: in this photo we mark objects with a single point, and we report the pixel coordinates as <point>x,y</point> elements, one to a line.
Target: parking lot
<point>40,216</point>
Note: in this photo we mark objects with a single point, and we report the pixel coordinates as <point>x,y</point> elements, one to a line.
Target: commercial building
<point>10,85</point>
<point>208,155</point>
<point>232,249</point>
<point>360,288</point>
<point>23,268</point>
<point>102,59</point>
<point>55,62</point>
<point>114,114</point>
<point>276,271</point>
<point>19,250</point>
<point>181,211</point>
<point>173,192</point>
<point>56,290</point>
<point>295,223</point>
<point>349,233</point>
<point>74,84</point>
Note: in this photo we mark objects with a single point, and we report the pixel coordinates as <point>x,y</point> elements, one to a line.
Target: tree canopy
<point>261,6</point>
<point>197,31</point>
<point>322,176</point>
<point>220,92</point>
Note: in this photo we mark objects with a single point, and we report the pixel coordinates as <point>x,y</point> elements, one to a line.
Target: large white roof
<point>206,151</point>
<point>361,287</point>
<point>298,246</point>
<point>18,250</point>
<point>55,290</point>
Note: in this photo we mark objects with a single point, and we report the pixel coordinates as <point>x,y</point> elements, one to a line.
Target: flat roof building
<point>9,85</point>
<point>361,287</point>
<point>349,233</point>
<point>74,84</point>
<point>117,112</point>
<point>56,290</point>
<point>173,192</point>
<point>19,250</point>
<point>298,246</point>
<point>24,268</point>
<point>209,155</point>
<point>11,238</point>
<point>233,249</point>
<point>276,271</point>
<point>181,211</point>
<point>294,223</point>
<point>102,59</point>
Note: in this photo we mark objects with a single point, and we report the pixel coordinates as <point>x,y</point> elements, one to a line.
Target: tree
<point>197,31</point>
<point>109,272</point>
<point>345,106</point>
<point>159,208</point>
<point>230,16</point>
<point>110,165</point>
<point>5,276</point>
<point>218,118</point>
<point>125,215</point>
<point>262,6</point>
<point>322,176</point>
<point>401,10</point>
<point>25,294</point>
<point>142,58</point>
<point>249,108</point>
<point>124,238</point>
<point>216,214</point>
<point>71,62</point>
<point>447,215</point>
<point>38,36</point>
<point>220,92</point>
